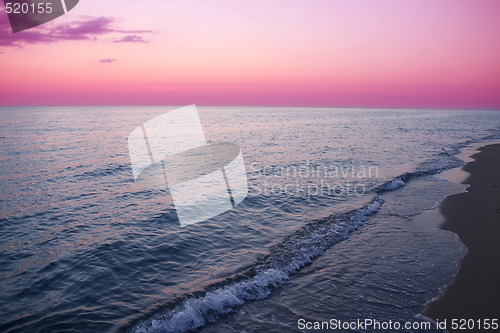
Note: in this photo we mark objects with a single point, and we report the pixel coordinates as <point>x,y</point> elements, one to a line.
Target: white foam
<point>395,184</point>
<point>197,312</point>
<point>194,313</point>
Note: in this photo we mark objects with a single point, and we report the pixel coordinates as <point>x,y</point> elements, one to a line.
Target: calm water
<point>338,222</point>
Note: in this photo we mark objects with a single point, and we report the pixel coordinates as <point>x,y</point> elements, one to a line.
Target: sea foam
<point>285,259</point>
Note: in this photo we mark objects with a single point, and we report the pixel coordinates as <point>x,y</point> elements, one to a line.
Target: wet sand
<point>475,217</point>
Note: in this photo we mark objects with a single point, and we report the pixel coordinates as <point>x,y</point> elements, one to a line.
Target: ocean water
<point>339,223</point>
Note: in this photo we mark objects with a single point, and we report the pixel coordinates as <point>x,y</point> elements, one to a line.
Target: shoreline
<point>475,217</point>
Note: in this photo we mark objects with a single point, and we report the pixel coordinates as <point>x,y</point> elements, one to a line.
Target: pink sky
<point>384,53</point>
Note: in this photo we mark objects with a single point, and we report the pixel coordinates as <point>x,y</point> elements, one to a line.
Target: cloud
<point>130,39</point>
<point>86,28</point>
<point>107,60</point>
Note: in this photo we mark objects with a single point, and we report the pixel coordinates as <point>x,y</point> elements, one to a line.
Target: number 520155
<point>25,8</point>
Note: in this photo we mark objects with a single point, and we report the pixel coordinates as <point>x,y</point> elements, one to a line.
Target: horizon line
<point>264,106</point>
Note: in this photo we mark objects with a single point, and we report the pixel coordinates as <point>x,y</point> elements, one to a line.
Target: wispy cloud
<point>107,60</point>
<point>130,39</point>
<point>86,28</point>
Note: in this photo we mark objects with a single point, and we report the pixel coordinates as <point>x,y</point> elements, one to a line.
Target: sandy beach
<point>475,217</point>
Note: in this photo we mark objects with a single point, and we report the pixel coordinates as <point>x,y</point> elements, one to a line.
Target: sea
<point>340,225</point>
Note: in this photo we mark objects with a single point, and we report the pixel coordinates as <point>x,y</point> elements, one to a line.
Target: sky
<point>328,53</point>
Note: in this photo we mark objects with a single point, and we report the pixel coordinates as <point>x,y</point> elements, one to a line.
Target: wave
<point>109,169</point>
<point>391,185</point>
<point>284,260</point>
<point>443,161</point>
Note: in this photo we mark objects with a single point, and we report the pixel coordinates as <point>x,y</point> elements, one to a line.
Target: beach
<point>249,166</point>
<point>85,248</point>
<point>475,217</point>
